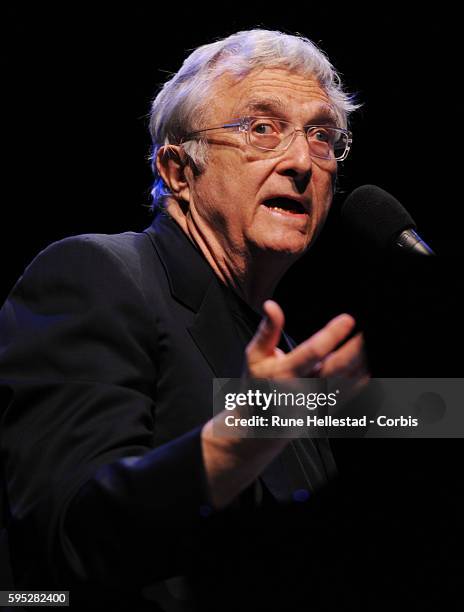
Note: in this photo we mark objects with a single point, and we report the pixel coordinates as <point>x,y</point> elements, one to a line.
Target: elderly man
<point>115,486</point>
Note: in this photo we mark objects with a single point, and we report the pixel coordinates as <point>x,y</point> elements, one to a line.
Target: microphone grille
<point>376,215</point>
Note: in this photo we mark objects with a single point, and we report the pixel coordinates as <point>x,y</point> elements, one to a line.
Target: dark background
<point>77,86</point>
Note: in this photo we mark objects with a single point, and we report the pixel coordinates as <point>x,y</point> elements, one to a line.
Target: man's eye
<point>321,135</point>
<point>264,128</point>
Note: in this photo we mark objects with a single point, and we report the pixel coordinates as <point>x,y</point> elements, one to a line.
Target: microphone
<point>378,217</point>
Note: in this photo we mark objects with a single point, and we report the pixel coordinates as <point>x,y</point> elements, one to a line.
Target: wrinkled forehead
<point>271,91</point>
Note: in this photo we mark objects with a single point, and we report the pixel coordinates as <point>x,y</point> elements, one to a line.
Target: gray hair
<point>181,103</point>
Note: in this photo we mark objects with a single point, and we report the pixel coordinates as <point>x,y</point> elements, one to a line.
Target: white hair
<point>181,104</point>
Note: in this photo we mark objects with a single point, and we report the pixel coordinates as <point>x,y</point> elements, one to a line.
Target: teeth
<point>289,207</point>
<point>285,210</point>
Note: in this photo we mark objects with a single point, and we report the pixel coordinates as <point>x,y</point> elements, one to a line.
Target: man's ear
<point>171,162</point>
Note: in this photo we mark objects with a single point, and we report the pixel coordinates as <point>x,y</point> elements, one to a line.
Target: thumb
<point>268,334</point>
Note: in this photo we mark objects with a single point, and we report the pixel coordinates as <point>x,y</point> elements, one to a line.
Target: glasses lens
<point>269,133</point>
<point>327,143</point>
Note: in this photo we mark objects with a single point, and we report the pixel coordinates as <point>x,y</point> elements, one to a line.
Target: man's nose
<point>296,161</point>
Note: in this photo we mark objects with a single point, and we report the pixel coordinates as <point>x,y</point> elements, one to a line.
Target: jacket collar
<point>188,272</point>
<point>194,284</point>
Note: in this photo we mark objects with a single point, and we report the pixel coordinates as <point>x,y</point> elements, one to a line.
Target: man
<point>115,486</point>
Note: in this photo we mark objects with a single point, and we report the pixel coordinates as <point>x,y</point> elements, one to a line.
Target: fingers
<point>316,356</point>
<point>347,367</point>
<point>303,359</point>
<point>346,361</point>
<point>267,337</point>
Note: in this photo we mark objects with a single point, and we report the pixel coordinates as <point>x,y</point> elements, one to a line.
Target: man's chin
<point>288,247</point>
<point>281,238</point>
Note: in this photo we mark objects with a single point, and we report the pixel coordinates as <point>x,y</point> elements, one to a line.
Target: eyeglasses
<point>273,134</point>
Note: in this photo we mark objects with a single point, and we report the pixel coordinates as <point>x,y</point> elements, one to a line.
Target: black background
<point>77,86</point>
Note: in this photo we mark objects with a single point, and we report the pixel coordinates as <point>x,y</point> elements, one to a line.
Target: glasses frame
<point>244,124</point>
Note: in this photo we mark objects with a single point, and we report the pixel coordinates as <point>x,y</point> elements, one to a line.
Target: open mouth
<point>285,205</point>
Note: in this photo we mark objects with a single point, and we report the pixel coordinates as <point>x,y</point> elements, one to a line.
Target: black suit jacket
<point>109,344</point>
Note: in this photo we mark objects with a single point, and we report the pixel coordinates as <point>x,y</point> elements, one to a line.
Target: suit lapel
<point>193,283</point>
<point>214,333</point>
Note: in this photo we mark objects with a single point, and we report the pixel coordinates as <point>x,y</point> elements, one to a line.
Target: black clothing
<point>108,348</point>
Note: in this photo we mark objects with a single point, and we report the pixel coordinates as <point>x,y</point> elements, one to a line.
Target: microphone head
<point>375,215</point>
